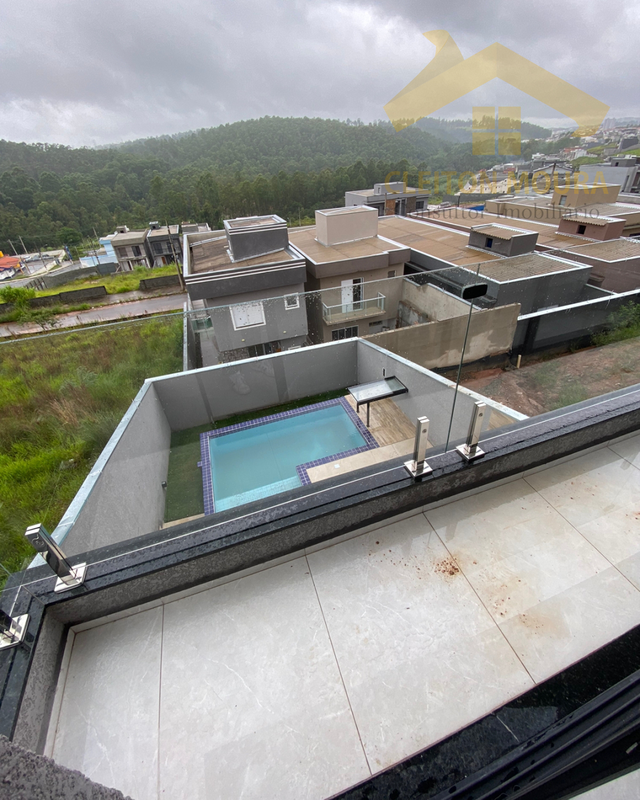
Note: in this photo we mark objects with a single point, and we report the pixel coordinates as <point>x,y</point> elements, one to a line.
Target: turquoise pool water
<point>258,462</point>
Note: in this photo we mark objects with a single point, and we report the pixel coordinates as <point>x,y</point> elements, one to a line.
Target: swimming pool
<point>270,455</point>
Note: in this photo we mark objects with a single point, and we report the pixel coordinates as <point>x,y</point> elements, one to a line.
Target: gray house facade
<point>164,244</point>
<point>250,282</point>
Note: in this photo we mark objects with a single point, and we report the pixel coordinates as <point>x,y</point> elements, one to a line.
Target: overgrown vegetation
<point>184,481</point>
<point>20,298</point>
<point>61,398</point>
<point>623,324</point>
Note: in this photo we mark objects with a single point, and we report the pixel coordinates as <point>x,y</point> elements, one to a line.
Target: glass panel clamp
<point>470,450</point>
<point>68,577</point>
<point>418,467</point>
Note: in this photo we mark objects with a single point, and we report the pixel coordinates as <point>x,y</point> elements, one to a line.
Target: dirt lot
<point>542,385</point>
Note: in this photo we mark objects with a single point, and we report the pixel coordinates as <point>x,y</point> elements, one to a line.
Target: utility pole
<point>13,248</point>
<point>175,260</point>
<point>23,247</point>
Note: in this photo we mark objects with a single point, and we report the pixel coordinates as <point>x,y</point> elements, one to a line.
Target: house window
<point>344,333</point>
<point>248,315</point>
<point>489,243</point>
<point>291,301</point>
<point>563,200</point>
<point>582,228</point>
<point>136,250</point>
<point>391,273</point>
<point>158,248</point>
<point>419,205</point>
<point>264,349</point>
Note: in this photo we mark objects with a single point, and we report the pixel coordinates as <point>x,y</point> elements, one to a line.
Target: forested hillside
<point>52,194</point>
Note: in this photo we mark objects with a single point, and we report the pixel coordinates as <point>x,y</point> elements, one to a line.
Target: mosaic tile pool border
<point>301,469</point>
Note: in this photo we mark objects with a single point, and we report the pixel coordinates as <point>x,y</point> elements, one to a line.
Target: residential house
<point>597,200</point>
<point>164,244</point>
<point>194,227</point>
<point>351,269</point>
<point>249,281</point>
<point>615,263</point>
<point>623,171</point>
<point>131,248</point>
<point>501,256</point>
<point>9,266</point>
<point>390,198</point>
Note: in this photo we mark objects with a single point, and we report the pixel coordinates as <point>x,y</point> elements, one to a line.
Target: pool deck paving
<point>298,678</point>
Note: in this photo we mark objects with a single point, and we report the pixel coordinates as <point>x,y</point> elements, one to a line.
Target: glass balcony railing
<point>355,309</point>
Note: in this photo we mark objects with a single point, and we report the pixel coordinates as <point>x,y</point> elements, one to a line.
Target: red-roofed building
<point>8,264</point>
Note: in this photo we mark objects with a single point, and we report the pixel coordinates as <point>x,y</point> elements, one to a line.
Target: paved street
<point>109,313</point>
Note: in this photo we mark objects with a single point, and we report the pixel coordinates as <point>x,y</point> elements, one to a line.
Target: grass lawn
<point>117,283</point>
<point>184,481</point>
<point>61,398</point>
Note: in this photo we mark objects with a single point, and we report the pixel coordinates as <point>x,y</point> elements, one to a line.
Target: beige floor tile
<point>560,631</point>
<point>590,487</point>
<point>419,654</point>
<point>630,568</point>
<point>253,705</point>
<point>628,448</point>
<point>514,548</point>
<point>496,523</point>
<point>108,722</point>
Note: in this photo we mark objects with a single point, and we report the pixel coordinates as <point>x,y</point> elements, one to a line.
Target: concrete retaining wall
<point>53,279</point>
<point>439,344</point>
<point>147,284</point>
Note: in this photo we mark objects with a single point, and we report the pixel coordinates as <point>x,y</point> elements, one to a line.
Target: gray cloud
<point>108,70</point>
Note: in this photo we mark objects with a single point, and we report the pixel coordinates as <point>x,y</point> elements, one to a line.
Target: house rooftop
<point>443,243</point>
<point>305,241</point>
<point>526,266</point>
<point>253,222</point>
<point>131,237</point>
<point>212,255</point>
<point>158,233</point>
<point>547,233</point>
<point>612,250</point>
<point>372,193</point>
<point>587,219</point>
<point>500,231</point>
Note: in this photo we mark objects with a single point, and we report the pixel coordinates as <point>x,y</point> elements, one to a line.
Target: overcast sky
<point>86,72</point>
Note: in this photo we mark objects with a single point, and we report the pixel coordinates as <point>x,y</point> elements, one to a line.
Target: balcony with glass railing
<point>357,309</point>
